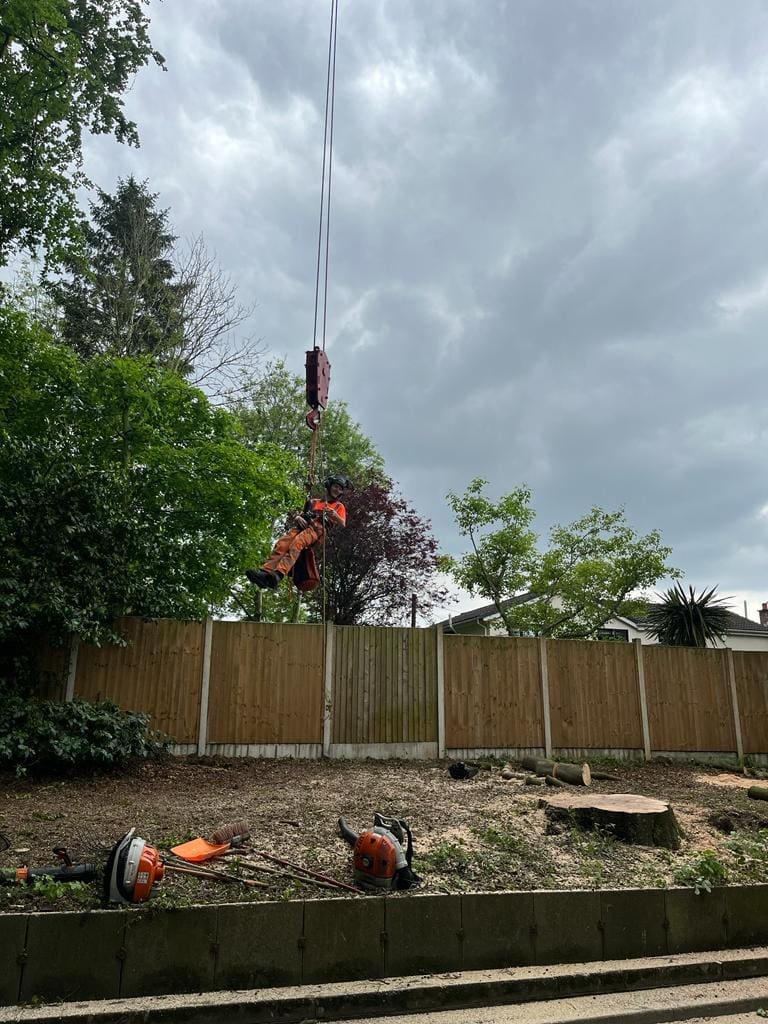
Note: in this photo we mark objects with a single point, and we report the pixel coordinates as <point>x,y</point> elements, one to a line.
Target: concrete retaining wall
<point>149,951</point>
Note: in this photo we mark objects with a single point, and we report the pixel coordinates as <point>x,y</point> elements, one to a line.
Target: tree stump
<point>630,818</point>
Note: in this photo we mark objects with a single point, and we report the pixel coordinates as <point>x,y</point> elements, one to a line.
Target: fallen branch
<point>758,792</point>
<point>217,876</point>
<point>306,871</point>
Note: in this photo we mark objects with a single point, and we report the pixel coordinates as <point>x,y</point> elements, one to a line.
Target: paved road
<point>731,1001</point>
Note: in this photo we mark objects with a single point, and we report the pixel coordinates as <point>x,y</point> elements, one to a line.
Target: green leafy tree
<point>132,291</point>
<point>122,491</point>
<point>274,412</point>
<point>689,620</point>
<point>64,66</point>
<point>121,297</point>
<point>589,573</point>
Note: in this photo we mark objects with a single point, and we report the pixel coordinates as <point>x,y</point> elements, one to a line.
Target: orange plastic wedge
<point>197,850</point>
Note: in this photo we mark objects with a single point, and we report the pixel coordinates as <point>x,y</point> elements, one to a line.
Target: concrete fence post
<point>440,663</point>
<point>74,647</point>
<point>544,677</point>
<point>328,690</point>
<point>205,687</point>
<point>731,669</point>
<point>643,698</point>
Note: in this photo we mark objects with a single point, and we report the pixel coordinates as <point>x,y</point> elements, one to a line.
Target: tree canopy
<point>122,491</point>
<point>385,555</point>
<point>594,568</point>
<point>274,412</point>
<point>121,296</point>
<point>64,66</point>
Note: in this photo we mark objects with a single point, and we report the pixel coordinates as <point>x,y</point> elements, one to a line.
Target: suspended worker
<point>293,553</point>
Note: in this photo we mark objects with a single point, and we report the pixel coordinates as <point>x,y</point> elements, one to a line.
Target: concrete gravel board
<point>169,951</point>
<point>73,956</point>
<point>567,926</point>
<point>423,934</point>
<point>696,922</point>
<point>747,910</point>
<point>259,945</point>
<point>342,939</point>
<point>633,923</point>
<point>13,930</point>
<point>498,929</point>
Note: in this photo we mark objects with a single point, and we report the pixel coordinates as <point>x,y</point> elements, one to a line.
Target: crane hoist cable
<point>318,367</point>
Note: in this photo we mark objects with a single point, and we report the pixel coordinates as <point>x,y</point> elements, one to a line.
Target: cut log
<point>605,775</point>
<point>577,775</point>
<point>630,818</point>
<point>758,792</point>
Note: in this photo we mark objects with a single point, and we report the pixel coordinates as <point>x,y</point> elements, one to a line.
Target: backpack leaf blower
<point>133,870</point>
<point>382,855</point>
<point>64,871</point>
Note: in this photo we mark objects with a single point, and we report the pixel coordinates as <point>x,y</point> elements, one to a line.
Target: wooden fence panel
<point>492,693</point>
<point>53,666</point>
<point>689,700</point>
<point>159,673</point>
<point>751,671</point>
<point>266,683</point>
<point>593,695</point>
<point>384,685</point>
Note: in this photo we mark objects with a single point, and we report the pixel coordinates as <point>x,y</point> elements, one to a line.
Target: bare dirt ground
<point>483,834</point>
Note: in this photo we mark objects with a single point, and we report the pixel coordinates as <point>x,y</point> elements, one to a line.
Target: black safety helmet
<point>342,481</point>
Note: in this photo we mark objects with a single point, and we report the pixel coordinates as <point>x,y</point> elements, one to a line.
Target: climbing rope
<point>318,367</point>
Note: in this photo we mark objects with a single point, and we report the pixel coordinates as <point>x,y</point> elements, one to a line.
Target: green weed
<point>749,855</point>
<point>445,857</point>
<point>702,873</point>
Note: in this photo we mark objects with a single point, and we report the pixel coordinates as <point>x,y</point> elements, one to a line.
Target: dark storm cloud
<point>549,230</point>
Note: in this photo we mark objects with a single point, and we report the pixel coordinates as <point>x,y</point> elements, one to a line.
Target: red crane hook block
<point>318,382</point>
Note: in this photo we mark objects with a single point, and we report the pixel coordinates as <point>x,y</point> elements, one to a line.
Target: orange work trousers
<point>290,546</point>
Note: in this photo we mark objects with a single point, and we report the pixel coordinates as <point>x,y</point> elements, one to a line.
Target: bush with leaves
<point>75,736</point>
<point>123,491</point>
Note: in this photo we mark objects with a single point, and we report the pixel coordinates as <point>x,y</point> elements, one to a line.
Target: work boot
<point>263,578</point>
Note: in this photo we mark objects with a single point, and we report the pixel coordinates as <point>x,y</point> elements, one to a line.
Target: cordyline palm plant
<point>688,620</point>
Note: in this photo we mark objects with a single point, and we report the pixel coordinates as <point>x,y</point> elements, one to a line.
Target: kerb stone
<point>633,923</point>
<point>259,945</point>
<point>423,934</point>
<point>73,956</point>
<point>343,939</point>
<point>169,951</point>
<point>498,930</point>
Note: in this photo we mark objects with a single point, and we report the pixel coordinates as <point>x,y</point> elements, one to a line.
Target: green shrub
<point>74,736</point>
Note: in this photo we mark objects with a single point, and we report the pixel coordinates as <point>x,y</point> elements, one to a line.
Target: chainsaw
<point>133,870</point>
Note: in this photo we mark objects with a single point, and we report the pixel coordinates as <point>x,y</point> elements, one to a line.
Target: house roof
<point>485,611</point>
<point>737,624</point>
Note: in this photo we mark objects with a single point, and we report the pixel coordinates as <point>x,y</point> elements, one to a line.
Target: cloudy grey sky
<point>549,239</point>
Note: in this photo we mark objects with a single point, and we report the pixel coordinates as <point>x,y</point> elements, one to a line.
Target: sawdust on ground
<point>483,834</point>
